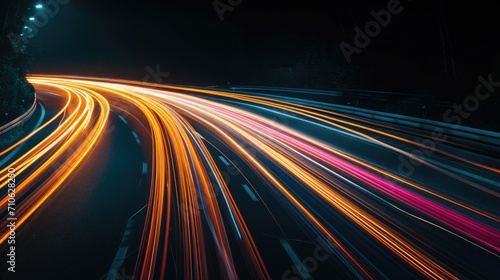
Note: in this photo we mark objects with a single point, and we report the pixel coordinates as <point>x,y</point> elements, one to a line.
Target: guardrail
<point>19,120</point>
<point>489,141</point>
<point>469,133</point>
<point>372,97</point>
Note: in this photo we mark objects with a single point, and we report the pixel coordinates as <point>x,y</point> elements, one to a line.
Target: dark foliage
<point>16,94</point>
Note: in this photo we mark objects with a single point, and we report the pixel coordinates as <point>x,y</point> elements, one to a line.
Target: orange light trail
<point>187,192</point>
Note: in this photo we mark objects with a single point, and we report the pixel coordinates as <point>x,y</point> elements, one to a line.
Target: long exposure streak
<point>192,202</point>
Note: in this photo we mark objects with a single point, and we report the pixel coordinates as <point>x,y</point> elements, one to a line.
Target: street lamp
<point>39,6</point>
<point>32,18</point>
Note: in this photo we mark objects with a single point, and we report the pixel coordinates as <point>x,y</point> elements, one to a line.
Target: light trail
<point>189,194</point>
<point>79,131</point>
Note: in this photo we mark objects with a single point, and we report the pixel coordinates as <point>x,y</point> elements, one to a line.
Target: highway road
<point>130,180</point>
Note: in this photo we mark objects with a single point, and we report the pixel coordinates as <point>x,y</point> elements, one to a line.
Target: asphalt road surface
<point>129,180</point>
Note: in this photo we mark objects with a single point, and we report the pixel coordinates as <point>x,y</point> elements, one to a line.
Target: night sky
<point>258,38</point>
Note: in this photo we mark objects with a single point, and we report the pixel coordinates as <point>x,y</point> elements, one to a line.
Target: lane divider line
<point>224,160</point>
<point>250,193</point>
<point>123,119</point>
<point>298,264</point>
<point>136,137</point>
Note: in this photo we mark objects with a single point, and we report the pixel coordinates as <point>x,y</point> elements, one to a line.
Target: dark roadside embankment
<point>16,94</point>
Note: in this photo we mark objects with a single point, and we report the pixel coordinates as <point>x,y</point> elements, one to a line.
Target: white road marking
<point>123,119</point>
<point>224,160</point>
<point>250,193</point>
<point>298,264</point>
<point>136,137</point>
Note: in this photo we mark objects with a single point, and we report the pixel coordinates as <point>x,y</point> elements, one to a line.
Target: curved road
<point>128,180</point>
